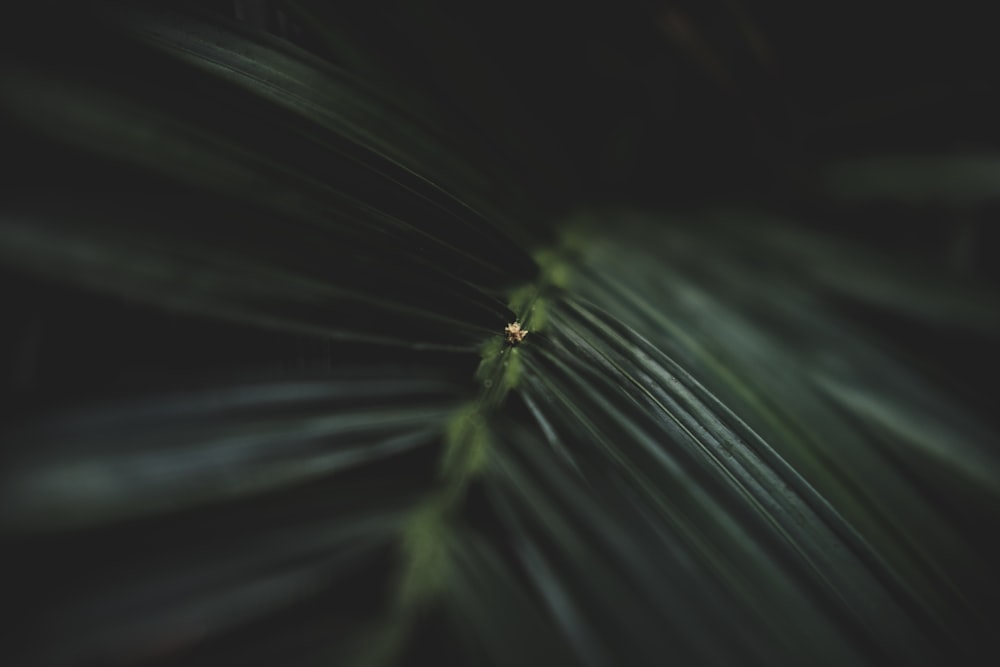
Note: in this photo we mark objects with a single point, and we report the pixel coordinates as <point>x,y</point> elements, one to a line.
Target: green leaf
<point>194,513</point>
<point>165,453</point>
<point>702,452</point>
<point>189,209</point>
<point>957,180</point>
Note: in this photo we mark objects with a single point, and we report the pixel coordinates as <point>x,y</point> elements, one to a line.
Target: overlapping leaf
<point>189,514</point>
<point>265,187</point>
<point>787,457</point>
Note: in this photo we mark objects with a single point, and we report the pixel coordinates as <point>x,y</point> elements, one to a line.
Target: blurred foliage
<point>257,259</point>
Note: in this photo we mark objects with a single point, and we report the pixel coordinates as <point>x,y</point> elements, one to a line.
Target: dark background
<point>686,103</point>
<point>666,104</point>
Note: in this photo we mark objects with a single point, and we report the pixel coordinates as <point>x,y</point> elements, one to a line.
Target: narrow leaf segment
<point>428,536</point>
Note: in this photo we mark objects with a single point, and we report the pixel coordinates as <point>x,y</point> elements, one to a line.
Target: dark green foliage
<point>251,259</point>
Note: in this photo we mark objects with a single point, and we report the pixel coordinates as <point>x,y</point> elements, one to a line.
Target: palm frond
<point>702,451</point>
